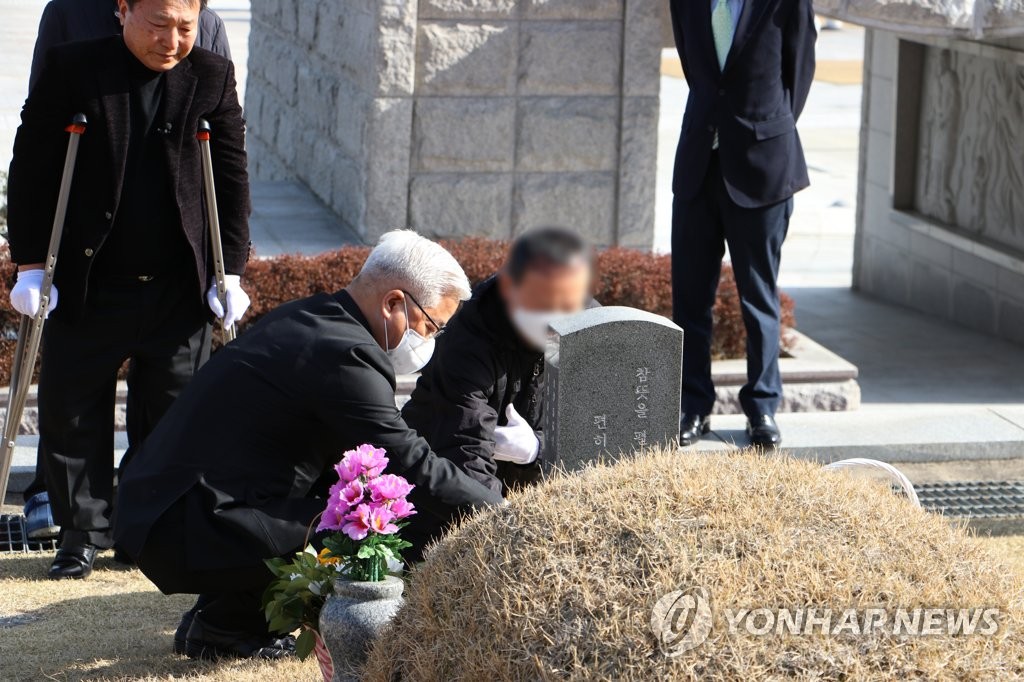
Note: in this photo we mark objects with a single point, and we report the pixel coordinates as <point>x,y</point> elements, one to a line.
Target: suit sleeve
<point>37,163</point>
<point>798,54</point>
<point>456,415</point>
<point>227,147</point>
<point>360,403</point>
<point>51,32</point>
<point>677,31</point>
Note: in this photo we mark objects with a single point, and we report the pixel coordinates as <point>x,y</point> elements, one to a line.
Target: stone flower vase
<point>353,617</point>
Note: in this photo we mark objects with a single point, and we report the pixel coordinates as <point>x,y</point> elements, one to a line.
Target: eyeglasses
<point>438,327</point>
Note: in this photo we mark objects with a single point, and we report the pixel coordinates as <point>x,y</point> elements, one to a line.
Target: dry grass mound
<point>561,583</point>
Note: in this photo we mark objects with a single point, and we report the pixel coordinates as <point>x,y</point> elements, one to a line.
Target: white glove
<point>237,300</point>
<point>26,294</point>
<point>516,442</point>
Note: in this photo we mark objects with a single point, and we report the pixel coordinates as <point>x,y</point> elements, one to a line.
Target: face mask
<point>412,353</point>
<point>533,325</point>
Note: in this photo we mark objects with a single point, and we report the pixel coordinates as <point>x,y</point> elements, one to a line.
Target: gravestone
<point>612,382</point>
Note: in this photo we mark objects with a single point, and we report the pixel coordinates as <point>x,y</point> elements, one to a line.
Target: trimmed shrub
<point>561,583</point>
<point>623,277</point>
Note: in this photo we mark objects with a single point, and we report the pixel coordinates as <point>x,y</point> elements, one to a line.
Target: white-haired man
<point>238,468</point>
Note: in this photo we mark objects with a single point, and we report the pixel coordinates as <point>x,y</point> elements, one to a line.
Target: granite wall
<point>941,210</point>
<point>462,117</point>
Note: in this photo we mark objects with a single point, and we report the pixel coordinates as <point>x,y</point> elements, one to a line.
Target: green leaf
<point>366,551</point>
<point>305,643</point>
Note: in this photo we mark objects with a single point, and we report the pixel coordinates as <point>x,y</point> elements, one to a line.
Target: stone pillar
<point>462,117</point>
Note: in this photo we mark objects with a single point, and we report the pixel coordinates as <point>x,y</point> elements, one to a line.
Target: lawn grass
<point>114,626</point>
<point>117,626</point>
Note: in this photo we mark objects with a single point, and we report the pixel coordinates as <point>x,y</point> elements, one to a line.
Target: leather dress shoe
<point>692,427</point>
<point>181,634</point>
<point>764,432</point>
<point>210,643</point>
<point>74,561</point>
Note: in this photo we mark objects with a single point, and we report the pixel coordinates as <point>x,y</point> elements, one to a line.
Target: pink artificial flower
<point>380,520</point>
<point>333,517</point>
<point>358,526</point>
<point>373,459</point>
<point>402,508</point>
<point>389,487</point>
<point>352,494</point>
<point>365,460</point>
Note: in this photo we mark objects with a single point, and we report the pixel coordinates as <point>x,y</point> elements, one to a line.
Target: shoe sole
<point>47,533</point>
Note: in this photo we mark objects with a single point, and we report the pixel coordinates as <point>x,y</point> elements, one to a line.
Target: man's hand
<point>236,298</point>
<point>27,293</point>
<point>517,441</point>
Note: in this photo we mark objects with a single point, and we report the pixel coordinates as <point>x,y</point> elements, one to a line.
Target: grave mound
<point>562,582</point>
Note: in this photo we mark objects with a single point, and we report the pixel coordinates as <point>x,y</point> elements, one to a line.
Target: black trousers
<point>230,598</point>
<point>700,229</point>
<point>161,327</point>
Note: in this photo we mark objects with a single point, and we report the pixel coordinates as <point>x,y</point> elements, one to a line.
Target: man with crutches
<point>134,275</point>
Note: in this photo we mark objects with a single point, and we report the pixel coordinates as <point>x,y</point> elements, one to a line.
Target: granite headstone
<point>612,384</point>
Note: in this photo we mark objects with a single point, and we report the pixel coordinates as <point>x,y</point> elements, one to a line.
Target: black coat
<point>753,102</point>
<point>480,366</point>
<point>261,425</point>
<point>67,21</point>
<point>92,77</point>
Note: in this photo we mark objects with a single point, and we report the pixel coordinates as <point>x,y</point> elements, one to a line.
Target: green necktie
<point>722,29</point>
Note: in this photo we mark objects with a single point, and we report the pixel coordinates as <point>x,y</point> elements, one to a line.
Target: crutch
<point>31,331</point>
<point>211,210</point>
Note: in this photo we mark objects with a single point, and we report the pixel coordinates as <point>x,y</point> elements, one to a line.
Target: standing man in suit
<point>241,464</point>
<point>67,21</point>
<point>133,273</point>
<point>749,65</point>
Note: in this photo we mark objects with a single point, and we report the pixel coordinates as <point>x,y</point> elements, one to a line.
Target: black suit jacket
<point>92,77</point>
<point>257,432</point>
<point>753,102</point>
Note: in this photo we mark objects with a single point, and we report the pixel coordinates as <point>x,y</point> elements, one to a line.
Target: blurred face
<point>542,296</point>
<point>160,33</point>
<point>558,289</point>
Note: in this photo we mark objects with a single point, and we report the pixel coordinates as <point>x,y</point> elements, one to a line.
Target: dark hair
<point>202,3</point>
<point>545,247</point>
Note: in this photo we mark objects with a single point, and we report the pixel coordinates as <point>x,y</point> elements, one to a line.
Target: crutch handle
<point>78,124</point>
<point>204,130</point>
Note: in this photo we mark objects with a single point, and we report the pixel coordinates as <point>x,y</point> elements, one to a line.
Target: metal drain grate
<point>13,537</point>
<point>976,499</point>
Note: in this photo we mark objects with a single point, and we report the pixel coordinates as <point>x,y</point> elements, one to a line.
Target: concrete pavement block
<point>464,134</point>
<point>457,205</point>
<point>387,166</point>
<point>466,58</point>
<point>572,9</point>
<point>570,58</point>
<point>467,9</point>
<point>641,69</point>
<point>581,201</point>
<point>637,171</point>
<point>568,134</point>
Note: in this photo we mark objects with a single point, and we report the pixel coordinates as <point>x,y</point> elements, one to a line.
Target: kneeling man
<point>480,400</point>
<point>239,467</point>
